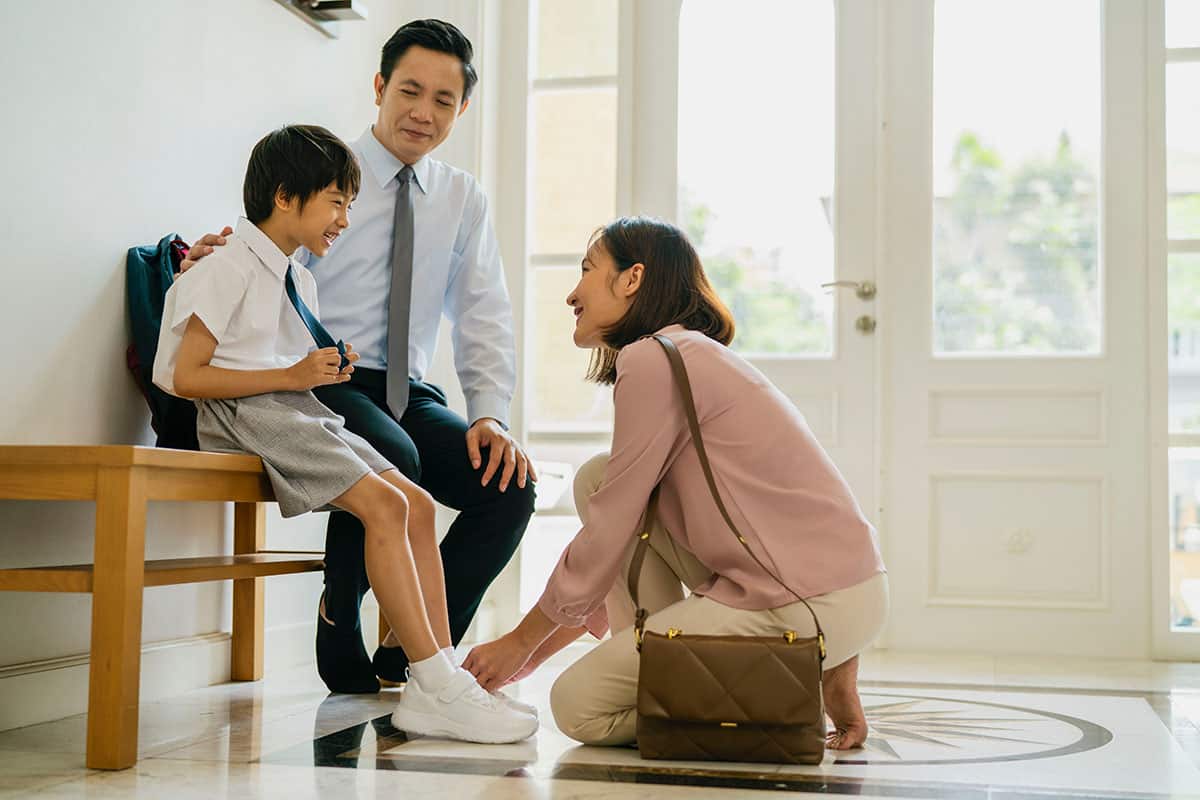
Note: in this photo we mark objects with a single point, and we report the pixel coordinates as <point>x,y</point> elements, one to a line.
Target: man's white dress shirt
<point>456,271</point>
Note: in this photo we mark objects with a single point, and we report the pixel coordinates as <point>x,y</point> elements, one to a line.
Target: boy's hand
<point>319,368</point>
<point>203,247</point>
<point>351,356</point>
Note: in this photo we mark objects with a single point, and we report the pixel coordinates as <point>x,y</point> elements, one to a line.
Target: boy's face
<point>419,103</point>
<point>322,219</point>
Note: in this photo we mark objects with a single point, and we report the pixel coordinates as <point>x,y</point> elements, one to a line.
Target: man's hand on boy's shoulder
<point>203,247</point>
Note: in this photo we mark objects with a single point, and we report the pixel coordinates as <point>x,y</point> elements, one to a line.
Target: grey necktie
<point>400,298</point>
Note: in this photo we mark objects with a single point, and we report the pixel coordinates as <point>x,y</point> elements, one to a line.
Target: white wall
<point>124,122</point>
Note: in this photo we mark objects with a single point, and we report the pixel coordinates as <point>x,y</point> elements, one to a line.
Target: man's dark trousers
<point>429,445</point>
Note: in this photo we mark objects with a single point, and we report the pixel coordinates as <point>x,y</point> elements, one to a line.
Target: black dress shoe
<point>342,660</point>
<point>390,664</point>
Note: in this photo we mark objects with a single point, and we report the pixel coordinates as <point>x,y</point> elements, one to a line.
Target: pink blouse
<point>783,492</point>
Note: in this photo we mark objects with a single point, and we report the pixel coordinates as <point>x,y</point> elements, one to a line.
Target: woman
<point>641,276</point>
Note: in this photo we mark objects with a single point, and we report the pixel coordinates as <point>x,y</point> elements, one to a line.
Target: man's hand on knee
<point>503,452</point>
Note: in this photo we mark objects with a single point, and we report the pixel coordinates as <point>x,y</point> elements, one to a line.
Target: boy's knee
<point>388,508</point>
<point>421,506</point>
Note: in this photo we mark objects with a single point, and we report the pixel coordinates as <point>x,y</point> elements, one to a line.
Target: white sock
<point>452,655</point>
<point>433,673</point>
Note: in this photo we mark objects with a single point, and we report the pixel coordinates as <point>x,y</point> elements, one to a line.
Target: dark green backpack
<point>149,272</point>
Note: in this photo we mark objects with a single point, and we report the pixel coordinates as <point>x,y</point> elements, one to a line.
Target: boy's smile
<point>323,219</point>
<point>315,226</point>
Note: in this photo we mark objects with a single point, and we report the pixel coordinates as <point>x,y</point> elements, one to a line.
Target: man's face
<point>419,103</point>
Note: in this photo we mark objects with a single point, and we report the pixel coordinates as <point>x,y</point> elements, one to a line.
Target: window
<point>1183,23</point>
<point>572,154</point>
<point>756,165</point>
<point>1016,155</point>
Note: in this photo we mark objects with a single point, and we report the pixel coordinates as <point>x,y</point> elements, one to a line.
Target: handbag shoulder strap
<point>679,370</point>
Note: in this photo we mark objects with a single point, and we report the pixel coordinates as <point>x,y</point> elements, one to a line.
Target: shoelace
<point>464,686</point>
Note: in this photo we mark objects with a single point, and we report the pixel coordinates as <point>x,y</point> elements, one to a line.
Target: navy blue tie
<point>319,334</point>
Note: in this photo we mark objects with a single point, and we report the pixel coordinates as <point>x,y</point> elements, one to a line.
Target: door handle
<point>865,290</point>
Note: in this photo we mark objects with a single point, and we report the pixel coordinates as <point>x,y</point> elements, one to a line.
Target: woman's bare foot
<point>840,690</point>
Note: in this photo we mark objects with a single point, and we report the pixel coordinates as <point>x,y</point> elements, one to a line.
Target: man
<point>420,245</point>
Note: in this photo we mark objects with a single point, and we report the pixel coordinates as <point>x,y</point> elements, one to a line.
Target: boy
<point>235,337</point>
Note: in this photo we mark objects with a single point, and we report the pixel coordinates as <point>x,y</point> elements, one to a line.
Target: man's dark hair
<point>432,34</point>
<point>300,161</point>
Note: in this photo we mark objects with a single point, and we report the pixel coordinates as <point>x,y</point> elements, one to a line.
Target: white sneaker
<point>514,704</point>
<point>461,710</point>
<point>459,655</point>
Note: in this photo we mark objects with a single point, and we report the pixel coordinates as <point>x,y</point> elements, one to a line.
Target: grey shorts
<point>309,455</point>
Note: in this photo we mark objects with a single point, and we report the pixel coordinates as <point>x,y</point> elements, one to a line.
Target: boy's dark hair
<point>300,161</point>
<point>432,34</point>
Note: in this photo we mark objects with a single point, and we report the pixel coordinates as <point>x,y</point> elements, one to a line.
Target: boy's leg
<point>441,700</point>
<point>422,538</point>
<point>490,524</point>
<point>383,510</point>
<point>360,402</point>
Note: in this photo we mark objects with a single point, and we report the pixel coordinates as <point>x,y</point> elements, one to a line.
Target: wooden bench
<point>121,479</point>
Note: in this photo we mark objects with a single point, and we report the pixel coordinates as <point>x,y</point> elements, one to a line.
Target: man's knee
<point>513,509</point>
<point>402,454</point>
<point>522,499</point>
<point>588,480</point>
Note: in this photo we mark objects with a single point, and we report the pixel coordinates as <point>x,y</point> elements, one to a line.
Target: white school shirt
<point>456,272</point>
<point>238,293</point>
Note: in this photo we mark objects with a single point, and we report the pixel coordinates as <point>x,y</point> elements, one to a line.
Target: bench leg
<point>118,579</point>
<point>249,536</point>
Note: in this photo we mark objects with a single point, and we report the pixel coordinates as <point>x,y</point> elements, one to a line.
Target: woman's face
<point>602,296</point>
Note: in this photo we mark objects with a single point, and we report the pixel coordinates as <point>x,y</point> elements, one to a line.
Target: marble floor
<point>941,726</point>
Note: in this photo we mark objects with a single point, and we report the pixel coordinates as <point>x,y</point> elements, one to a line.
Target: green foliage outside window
<point>773,316</point>
<point>1016,254</point>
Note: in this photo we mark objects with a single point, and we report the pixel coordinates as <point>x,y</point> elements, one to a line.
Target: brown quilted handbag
<point>725,698</point>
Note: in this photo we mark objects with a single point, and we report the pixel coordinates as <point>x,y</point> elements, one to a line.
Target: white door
<point>762,145</point>
<point>982,162</point>
<point>1014,324</point>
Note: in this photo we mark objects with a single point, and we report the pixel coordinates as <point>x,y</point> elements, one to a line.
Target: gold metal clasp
<point>673,632</point>
<point>728,724</point>
<point>821,644</point>
<point>644,535</point>
<point>789,636</point>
